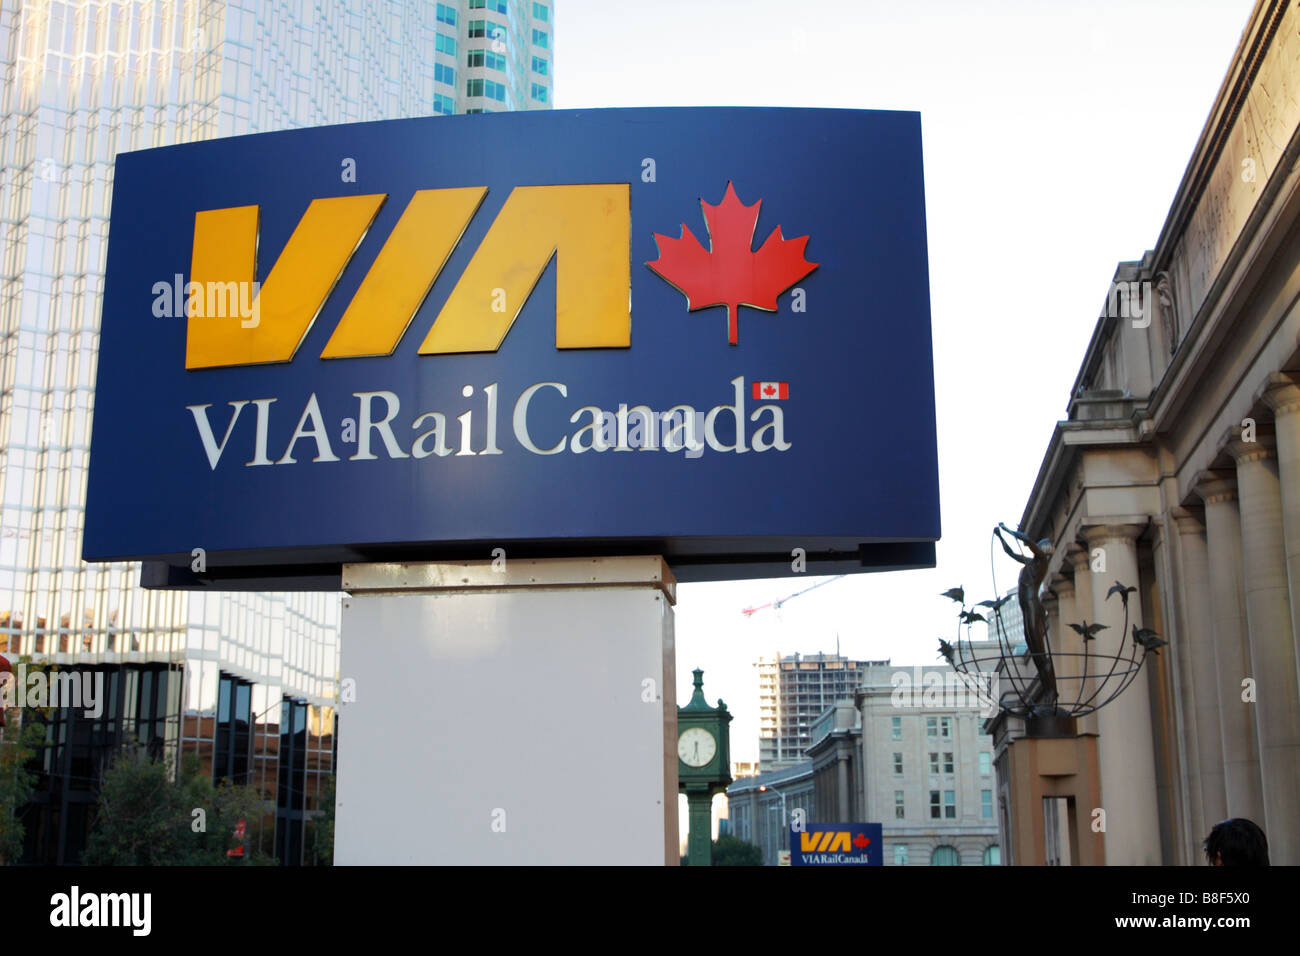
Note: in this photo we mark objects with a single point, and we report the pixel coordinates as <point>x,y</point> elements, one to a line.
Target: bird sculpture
<point>1122,591</point>
<point>1148,639</point>
<point>1088,631</point>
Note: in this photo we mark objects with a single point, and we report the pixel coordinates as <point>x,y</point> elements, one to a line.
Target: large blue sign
<point>702,333</point>
<point>838,844</point>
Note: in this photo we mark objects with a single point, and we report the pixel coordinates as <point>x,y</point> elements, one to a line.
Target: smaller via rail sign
<point>837,844</point>
<point>699,333</point>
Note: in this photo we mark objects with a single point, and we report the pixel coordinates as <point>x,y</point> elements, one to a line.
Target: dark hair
<point>1237,842</point>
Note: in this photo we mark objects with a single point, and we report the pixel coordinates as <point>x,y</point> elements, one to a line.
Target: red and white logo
<point>730,272</point>
<point>771,390</point>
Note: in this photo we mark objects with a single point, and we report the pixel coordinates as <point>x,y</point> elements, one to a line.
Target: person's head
<point>1236,842</point>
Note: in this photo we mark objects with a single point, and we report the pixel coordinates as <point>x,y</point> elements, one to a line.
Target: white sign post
<point>508,712</point>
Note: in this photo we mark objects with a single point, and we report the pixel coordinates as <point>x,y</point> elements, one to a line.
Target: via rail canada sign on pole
<point>697,333</point>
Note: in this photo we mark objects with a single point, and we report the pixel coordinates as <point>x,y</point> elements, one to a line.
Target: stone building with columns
<point>1177,471</point>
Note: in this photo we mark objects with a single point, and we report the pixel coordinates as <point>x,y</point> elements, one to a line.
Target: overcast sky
<point>1055,136</point>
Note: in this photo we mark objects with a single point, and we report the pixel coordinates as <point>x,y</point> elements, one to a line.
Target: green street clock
<point>703,766</point>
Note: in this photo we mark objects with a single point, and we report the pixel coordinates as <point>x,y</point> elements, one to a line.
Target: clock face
<point>696,747</point>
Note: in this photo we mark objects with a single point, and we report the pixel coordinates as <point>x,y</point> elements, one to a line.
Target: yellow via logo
<point>825,841</point>
<point>587,228</point>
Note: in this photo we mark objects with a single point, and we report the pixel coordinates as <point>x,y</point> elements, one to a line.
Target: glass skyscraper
<point>246,681</point>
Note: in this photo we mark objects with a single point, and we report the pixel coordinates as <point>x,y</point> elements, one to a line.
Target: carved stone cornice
<point>1242,452</point>
<point>1078,558</point>
<point>1120,530</point>
<point>1214,488</point>
<point>1281,395</point>
<point>1168,309</point>
<point>1189,522</point>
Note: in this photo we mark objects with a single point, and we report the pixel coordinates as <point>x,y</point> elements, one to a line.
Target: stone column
<point>1272,649</point>
<point>1283,397</point>
<point>1065,642</point>
<point>1080,562</point>
<point>1208,799</point>
<point>1127,759</point>
<point>1058,604</point>
<point>842,786</point>
<point>1051,607</point>
<point>1240,743</point>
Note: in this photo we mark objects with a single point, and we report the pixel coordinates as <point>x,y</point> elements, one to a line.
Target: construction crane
<point>776,605</point>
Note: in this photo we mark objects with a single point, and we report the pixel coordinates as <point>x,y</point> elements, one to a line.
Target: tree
<point>320,828</point>
<point>17,781</point>
<point>733,851</point>
<point>145,818</point>
<point>139,817</point>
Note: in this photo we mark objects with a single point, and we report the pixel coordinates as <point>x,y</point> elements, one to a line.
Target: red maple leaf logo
<point>729,272</point>
<point>861,840</point>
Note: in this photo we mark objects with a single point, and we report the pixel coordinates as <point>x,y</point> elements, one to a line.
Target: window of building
<point>950,804</point>
<point>986,762</point>
<point>936,811</point>
<point>443,104</point>
<point>947,762</point>
<point>986,804</point>
<point>474,87</point>
<point>539,93</point>
<point>993,855</point>
<point>234,719</point>
<point>495,61</point>
<point>540,12</point>
<point>476,110</point>
<point>477,28</point>
<point>498,6</point>
<point>900,855</point>
<point>896,728</point>
<point>445,44</point>
<point>932,726</point>
<point>945,726</point>
<point>136,703</point>
<point>474,57</point>
<point>900,805</point>
<point>477,4</point>
<point>493,90</point>
<point>289,804</point>
<point>444,73</point>
<point>945,856</point>
<point>446,14</point>
<point>934,762</point>
<point>540,65</point>
<point>541,39</point>
<point>898,763</point>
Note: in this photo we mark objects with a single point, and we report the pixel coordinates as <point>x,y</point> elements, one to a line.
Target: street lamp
<point>764,788</point>
<point>781,843</point>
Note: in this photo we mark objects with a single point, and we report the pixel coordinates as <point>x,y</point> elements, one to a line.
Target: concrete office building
<point>905,749</point>
<point>926,766</point>
<point>1178,471</point>
<point>792,692</point>
<point>1012,623</point>
<point>83,80</point>
<point>835,752</point>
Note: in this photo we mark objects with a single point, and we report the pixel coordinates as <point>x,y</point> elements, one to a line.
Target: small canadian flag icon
<point>771,390</point>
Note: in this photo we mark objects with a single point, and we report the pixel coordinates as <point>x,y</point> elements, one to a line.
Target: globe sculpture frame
<point>1048,696</point>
